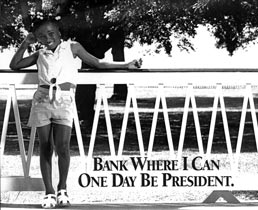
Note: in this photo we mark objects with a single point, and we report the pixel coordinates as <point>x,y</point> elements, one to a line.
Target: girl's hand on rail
<point>135,64</point>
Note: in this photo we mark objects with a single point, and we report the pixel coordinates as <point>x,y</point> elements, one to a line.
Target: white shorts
<point>45,111</point>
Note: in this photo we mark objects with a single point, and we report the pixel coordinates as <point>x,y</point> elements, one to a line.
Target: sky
<point>206,55</point>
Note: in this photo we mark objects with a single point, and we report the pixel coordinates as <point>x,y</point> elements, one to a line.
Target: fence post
<point>18,183</point>
<point>102,96</point>
<point>190,98</point>
<point>6,119</point>
<point>160,98</point>
<point>131,96</point>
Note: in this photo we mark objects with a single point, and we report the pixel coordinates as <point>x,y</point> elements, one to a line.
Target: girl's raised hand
<point>30,39</point>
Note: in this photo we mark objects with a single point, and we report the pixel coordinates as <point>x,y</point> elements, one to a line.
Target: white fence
<point>190,83</point>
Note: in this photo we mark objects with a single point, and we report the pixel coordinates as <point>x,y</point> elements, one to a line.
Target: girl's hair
<point>40,22</point>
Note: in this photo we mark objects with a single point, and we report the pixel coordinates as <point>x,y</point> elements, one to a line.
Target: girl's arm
<point>91,60</point>
<point>18,61</point>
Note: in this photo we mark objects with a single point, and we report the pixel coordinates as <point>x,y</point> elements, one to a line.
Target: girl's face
<point>48,35</point>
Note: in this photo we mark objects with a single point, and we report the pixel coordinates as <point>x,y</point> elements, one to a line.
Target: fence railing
<point>189,83</point>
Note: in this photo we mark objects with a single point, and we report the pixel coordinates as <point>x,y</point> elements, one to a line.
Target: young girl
<point>52,111</point>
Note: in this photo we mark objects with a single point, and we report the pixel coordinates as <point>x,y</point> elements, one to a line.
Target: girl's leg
<point>46,152</point>
<point>62,135</point>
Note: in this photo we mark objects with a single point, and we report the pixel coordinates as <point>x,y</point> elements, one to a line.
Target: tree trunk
<point>85,94</point>
<point>118,39</point>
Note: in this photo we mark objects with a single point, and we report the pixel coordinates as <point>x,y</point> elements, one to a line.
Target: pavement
<point>124,206</point>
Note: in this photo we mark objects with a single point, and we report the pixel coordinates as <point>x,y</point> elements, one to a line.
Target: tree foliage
<point>234,23</point>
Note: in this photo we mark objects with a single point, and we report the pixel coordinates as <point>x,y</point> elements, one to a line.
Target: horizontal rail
<point>150,70</point>
<point>144,77</point>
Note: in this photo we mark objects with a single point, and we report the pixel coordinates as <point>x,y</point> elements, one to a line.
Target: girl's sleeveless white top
<point>59,64</point>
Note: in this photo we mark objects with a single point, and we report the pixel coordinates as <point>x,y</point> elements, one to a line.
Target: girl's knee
<point>46,149</point>
<point>46,145</point>
<point>63,150</point>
